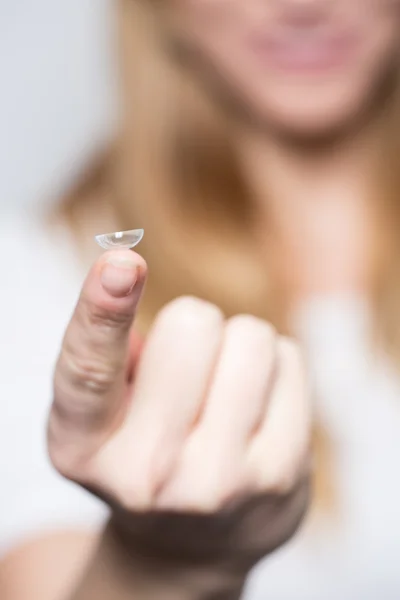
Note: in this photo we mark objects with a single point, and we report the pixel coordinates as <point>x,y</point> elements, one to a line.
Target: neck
<point>313,211</point>
<point>287,175</point>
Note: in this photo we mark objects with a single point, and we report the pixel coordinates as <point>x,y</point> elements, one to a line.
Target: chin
<point>308,126</point>
<point>311,115</point>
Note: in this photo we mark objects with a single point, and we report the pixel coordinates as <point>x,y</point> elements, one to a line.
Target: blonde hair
<point>174,172</point>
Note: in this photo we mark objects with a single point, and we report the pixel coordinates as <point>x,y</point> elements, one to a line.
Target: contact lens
<point>120,239</point>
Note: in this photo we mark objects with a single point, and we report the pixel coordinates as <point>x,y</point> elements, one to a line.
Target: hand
<point>198,441</point>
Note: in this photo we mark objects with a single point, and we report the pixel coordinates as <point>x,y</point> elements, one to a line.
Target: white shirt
<point>39,287</point>
<point>350,556</point>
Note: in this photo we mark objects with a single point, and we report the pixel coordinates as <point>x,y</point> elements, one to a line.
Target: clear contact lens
<point>120,239</point>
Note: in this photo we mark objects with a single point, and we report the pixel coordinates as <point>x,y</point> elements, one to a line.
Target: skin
<point>99,419</point>
<point>192,476</point>
<point>308,133</point>
<point>301,98</point>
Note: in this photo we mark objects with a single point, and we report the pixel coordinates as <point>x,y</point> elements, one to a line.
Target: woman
<point>258,151</point>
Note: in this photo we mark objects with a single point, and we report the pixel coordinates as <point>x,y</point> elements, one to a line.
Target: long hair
<point>173,170</point>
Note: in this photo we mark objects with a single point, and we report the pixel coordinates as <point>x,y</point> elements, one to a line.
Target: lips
<point>305,52</point>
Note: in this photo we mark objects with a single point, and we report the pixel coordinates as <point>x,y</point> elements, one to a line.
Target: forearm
<point>119,573</point>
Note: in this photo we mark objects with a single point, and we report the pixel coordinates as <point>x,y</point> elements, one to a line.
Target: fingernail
<point>119,275</point>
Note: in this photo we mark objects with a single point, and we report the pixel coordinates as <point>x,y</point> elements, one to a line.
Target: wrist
<point>122,570</point>
<point>171,576</point>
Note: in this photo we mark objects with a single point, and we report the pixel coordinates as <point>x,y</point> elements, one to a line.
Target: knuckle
<point>252,334</point>
<point>281,483</point>
<point>188,310</point>
<point>283,478</point>
<point>105,317</point>
<point>252,327</point>
<point>85,373</point>
<point>213,495</point>
<point>132,497</point>
<point>128,484</point>
<point>82,412</point>
<point>213,503</point>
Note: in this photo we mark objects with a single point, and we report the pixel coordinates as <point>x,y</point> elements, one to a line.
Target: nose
<point>307,11</point>
<point>306,3</point>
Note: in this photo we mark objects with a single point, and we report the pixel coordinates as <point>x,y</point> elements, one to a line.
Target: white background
<point>56,93</point>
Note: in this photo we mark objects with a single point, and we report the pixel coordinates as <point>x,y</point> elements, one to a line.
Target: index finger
<point>89,381</point>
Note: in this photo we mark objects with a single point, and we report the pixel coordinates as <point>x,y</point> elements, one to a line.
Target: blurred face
<point>304,66</point>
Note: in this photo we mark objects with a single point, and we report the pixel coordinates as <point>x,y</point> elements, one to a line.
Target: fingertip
<point>122,257</point>
<point>118,280</point>
<point>119,273</point>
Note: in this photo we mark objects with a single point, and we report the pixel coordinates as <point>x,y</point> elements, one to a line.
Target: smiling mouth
<point>302,53</point>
